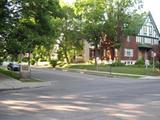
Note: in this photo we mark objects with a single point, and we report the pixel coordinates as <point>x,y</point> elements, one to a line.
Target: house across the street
<point>144,45</point>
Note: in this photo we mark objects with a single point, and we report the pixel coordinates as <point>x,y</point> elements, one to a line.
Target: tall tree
<point>68,34</point>
<point>119,15</point>
<point>34,25</point>
<point>9,16</point>
<point>92,18</point>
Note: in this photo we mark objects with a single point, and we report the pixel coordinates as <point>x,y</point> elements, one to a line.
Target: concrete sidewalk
<point>7,83</point>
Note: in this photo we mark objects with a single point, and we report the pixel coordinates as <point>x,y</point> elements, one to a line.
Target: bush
<point>140,62</point>
<point>42,60</point>
<point>53,63</point>
<point>1,61</point>
<point>117,63</point>
<point>25,59</point>
<point>33,62</point>
<point>157,65</point>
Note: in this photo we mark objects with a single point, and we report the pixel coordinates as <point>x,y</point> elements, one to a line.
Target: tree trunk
<point>96,55</point>
<point>29,64</point>
<point>20,61</point>
<point>66,56</point>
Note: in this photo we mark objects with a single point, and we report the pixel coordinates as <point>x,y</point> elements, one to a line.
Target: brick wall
<point>129,44</point>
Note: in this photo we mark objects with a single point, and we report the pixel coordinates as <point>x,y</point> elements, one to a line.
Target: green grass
<point>122,69</point>
<point>16,75</point>
<point>12,74</point>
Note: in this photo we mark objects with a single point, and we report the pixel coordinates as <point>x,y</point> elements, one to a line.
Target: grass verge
<point>12,74</point>
<point>123,69</point>
<point>16,75</point>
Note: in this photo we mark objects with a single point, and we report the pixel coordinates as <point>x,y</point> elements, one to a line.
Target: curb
<point>22,85</point>
<point>101,72</point>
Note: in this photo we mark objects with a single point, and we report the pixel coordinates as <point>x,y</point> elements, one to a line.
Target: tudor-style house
<point>145,45</point>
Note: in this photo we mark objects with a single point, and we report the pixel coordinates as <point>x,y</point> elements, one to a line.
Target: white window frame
<point>128,52</point>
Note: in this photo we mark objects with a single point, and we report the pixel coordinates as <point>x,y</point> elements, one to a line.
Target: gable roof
<point>153,22</point>
<point>134,28</point>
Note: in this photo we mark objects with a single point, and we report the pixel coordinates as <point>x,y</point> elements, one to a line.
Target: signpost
<point>153,56</point>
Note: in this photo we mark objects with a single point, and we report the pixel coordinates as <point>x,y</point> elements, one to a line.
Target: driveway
<point>75,96</point>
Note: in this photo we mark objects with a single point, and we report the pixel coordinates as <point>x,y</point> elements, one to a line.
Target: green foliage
<point>25,59</point>
<point>32,61</point>
<point>30,25</point>
<point>120,69</point>
<point>53,63</point>
<point>92,17</point>
<point>10,73</point>
<point>40,53</point>
<point>157,65</point>
<point>1,61</point>
<point>42,60</point>
<point>68,35</point>
<point>140,62</point>
<point>119,15</point>
<point>117,64</point>
<point>134,23</point>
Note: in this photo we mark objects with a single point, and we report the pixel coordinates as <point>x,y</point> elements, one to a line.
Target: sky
<point>154,7</point>
<point>149,5</point>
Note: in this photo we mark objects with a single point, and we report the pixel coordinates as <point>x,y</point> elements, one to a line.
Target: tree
<point>34,25</point>
<point>110,17</point>
<point>92,18</point>
<point>134,23</point>
<point>28,24</point>
<point>119,14</point>
<point>68,35</point>
<point>9,17</point>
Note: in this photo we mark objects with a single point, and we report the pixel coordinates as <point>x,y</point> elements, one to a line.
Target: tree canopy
<point>26,25</point>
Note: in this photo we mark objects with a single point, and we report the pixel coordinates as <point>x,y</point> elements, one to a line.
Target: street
<point>77,96</point>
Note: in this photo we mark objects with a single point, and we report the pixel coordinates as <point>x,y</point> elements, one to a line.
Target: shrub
<point>157,65</point>
<point>33,62</point>
<point>53,63</point>
<point>140,62</point>
<point>117,63</point>
<point>1,61</point>
<point>25,59</point>
<point>42,60</point>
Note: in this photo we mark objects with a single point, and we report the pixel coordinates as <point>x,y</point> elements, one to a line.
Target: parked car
<point>13,67</point>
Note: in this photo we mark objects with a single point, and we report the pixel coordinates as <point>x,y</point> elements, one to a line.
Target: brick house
<point>144,45</point>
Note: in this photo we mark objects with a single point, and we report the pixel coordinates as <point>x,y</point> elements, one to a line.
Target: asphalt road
<point>75,96</point>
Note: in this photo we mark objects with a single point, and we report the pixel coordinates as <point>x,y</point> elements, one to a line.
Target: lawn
<point>123,69</point>
<point>16,75</point>
<point>12,74</point>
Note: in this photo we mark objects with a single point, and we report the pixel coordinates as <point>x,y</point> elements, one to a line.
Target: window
<point>128,52</point>
<point>138,39</point>
<point>148,40</point>
<point>142,40</point>
<point>150,30</point>
<point>145,30</point>
<point>128,39</point>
